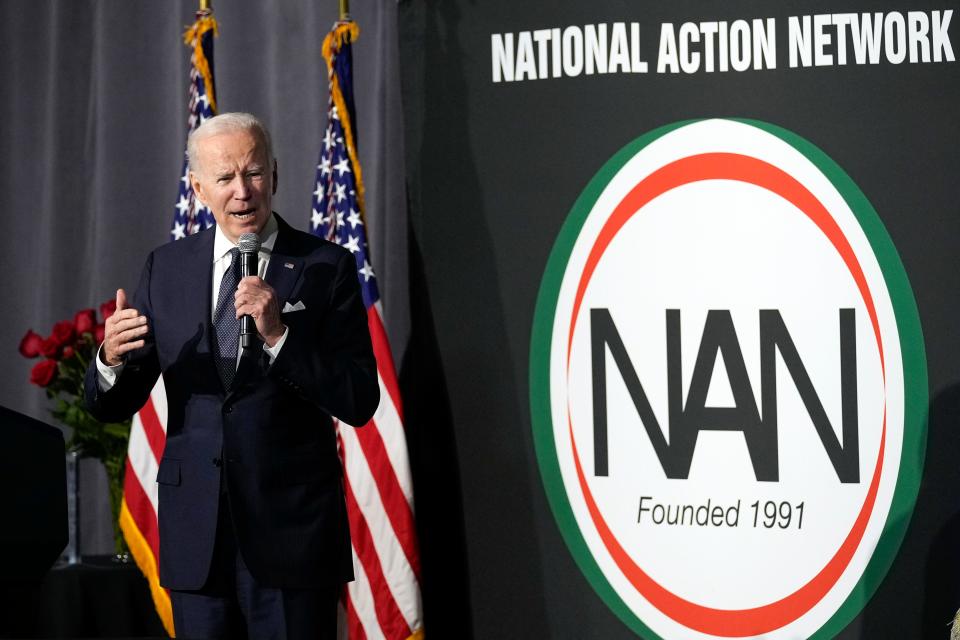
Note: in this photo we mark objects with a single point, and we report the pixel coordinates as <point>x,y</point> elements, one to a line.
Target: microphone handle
<point>248,327</point>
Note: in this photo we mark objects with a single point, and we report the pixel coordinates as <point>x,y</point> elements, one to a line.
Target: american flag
<point>384,600</point>
<point>148,432</point>
<point>190,215</point>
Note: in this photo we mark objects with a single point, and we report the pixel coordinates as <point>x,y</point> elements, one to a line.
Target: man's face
<point>233,179</point>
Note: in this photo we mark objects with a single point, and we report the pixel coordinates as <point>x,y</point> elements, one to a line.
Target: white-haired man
<point>253,531</point>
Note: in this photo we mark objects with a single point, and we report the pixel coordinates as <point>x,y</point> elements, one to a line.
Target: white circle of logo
<point>728,386</point>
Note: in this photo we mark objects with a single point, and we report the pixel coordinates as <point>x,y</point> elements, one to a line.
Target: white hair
<point>224,123</point>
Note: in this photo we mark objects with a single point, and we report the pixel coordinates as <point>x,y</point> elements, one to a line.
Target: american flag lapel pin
<point>288,265</point>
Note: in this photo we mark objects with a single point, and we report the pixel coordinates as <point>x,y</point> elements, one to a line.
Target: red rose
<point>98,333</point>
<point>30,344</point>
<point>43,372</point>
<point>67,352</point>
<point>107,309</point>
<point>63,332</point>
<point>85,320</point>
<point>49,347</point>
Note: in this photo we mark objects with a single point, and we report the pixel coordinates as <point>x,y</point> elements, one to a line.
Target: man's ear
<point>197,187</point>
<point>274,177</point>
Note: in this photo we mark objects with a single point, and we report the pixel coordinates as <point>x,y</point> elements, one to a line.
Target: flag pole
<point>205,5</point>
<point>344,9</point>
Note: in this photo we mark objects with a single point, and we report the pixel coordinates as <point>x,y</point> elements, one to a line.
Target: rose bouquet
<point>65,354</point>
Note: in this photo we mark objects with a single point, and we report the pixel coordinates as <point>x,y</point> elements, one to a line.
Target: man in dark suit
<point>253,529</point>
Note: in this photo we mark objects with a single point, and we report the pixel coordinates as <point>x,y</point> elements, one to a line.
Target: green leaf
<point>117,429</point>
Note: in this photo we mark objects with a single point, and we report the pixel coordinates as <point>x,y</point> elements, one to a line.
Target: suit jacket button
<point>228,409</point>
<point>217,462</point>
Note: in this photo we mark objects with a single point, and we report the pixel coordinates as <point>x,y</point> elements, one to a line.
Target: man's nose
<point>241,189</point>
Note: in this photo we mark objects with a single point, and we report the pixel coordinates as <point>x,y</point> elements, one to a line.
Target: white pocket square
<point>299,306</point>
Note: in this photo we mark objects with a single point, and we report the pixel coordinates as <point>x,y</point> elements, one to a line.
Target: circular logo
<point>728,386</point>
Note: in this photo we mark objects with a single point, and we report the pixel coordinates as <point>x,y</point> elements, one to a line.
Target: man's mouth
<point>243,216</point>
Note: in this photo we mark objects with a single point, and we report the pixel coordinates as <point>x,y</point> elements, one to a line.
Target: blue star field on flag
<point>337,206</point>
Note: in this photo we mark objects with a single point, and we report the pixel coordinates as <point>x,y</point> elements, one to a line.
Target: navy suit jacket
<point>270,435</point>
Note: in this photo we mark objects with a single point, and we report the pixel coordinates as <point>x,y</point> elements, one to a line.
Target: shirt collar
<point>268,236</point>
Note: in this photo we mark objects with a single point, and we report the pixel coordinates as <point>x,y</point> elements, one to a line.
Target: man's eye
<point>223,180</point>
<point>254,174</point>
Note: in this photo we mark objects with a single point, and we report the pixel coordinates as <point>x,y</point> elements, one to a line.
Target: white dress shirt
<point>221,262</point>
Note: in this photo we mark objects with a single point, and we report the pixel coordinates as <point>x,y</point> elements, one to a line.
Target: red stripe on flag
<point>140,508</point>
<point>391,620</point>
<point>394,502</point>
<point>381,350</point>
<point>156,436</point>
<point>354,626</point>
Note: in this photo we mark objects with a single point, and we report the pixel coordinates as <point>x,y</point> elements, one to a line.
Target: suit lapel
<point>284,269</point>
<point>196,304</point>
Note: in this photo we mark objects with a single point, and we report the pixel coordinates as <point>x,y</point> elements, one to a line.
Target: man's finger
<point>137,326</point>
<point>129,336</point>
<point>131,321</point>
<point>121,300</point>
<point>129,346</point>
<point>126,314</point>
<point>130,313</point>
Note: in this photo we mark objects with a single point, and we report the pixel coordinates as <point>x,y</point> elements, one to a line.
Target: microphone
<point>249,246</point>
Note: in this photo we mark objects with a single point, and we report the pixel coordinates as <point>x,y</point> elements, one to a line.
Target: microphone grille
<point>249,243</point>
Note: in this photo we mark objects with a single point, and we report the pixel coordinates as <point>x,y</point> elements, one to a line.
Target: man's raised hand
<point>123,332</point>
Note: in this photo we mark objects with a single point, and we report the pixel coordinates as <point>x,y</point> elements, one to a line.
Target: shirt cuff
<point>274,351</point>
<point>107,375</point>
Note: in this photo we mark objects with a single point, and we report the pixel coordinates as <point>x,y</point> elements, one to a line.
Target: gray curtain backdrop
<point>93,112</point>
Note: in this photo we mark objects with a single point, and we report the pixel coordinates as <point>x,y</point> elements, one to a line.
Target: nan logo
<point>728,386</point>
